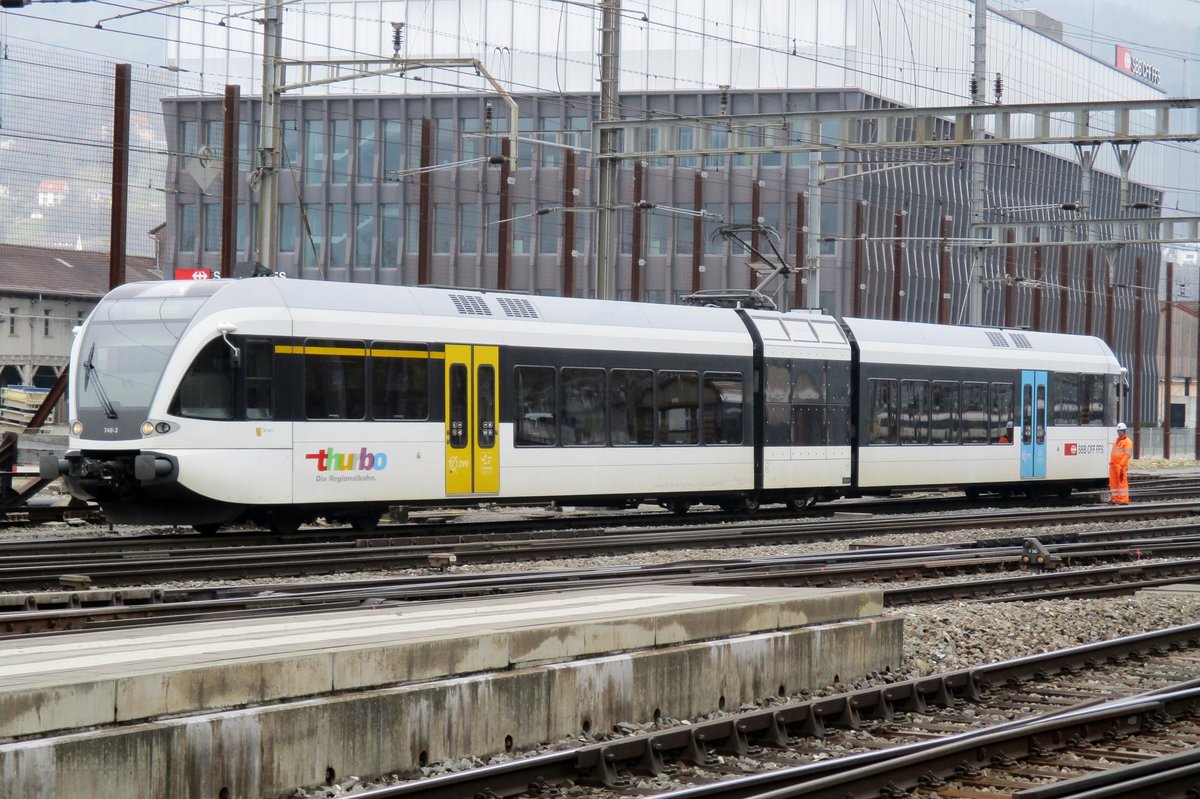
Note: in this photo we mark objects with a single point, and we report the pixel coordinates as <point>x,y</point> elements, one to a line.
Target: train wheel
<point>206,529</point>
<point>283,524</point>
<point>677,506</point>
<point>801,502</point>
<point>742,504</point>
<point>365,522</point>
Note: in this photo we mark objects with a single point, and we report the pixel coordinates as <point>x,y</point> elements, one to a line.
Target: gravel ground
<point>938,638</point>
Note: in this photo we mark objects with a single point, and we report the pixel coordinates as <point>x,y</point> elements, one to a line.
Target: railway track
<point>1116,716</point>
<point>1153,558</point>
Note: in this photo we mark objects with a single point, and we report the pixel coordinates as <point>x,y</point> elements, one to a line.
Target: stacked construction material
<point>18,404</point>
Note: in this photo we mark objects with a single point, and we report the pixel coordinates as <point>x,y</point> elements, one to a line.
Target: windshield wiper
<point>89,369</point>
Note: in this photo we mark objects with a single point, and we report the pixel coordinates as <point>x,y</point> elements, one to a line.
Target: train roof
<point>349,298</point>
<point>881,341</point>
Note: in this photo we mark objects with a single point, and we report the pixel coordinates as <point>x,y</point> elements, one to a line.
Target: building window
<point>339,234</point>
<point>212,227</point>
<point>364,235</point>
<point>468,228</point>
<point>46,323</point>
<point>365,170</point>
<point>472,145</point>
<point>393,149</point>
<point>288,225</point>
<point>389,246</point>
<point>412,228</point>
<point>339,152</point>
<point>314,237</point>
<point>443,227</point>
<point>12,321</point>
<point>551,156</point>
<point>187,228</point>
<point>314,151</point>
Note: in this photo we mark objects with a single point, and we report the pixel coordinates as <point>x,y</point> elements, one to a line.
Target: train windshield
<point>125,350</point>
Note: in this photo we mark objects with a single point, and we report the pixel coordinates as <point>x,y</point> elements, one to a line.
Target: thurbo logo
<point>362,461</point>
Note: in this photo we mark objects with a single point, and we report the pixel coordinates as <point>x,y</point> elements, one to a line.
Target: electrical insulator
<point>397,36</point>
<point>487,116</point>
<point>974,88</point>
<point>998,86</point>
<point>724,100</point>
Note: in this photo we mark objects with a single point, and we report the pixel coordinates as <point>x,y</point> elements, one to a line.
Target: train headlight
<point>162,427</point>
<point>76,428</point>
<point>147,428</point>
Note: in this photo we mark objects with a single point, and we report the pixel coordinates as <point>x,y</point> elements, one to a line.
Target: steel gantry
<point>1085,126</point>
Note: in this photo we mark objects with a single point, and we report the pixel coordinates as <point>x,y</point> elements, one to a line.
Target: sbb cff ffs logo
<point>196,274</point>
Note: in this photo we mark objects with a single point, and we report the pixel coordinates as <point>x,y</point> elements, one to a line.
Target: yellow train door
<point>472,413</point>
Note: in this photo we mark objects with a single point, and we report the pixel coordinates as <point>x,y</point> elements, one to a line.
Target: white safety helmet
<point>1120,425</point>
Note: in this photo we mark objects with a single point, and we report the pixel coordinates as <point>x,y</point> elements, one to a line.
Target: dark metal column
<point>859,257</point>
<point>229,181</point>
<point>897,264</point>
<point>118,221</point>
<point>1089,291</point>
<point>425,213</point>
<point>568,223</point>
<point>801,289</point>
<point>697,230</point>
<point>1064,294</point>
<point>1167,363</point>
<point>635,249</point>
<point>1138,355</point>
<point>1010,279</point>
<point>1039,283</point>
<point>944,274</point>
<point>504,250</point>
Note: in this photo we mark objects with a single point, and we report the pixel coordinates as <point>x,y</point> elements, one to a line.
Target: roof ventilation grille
<point>1021,340</point>
<point>997,339</point>
<point>470,306</point>
<point>517,306</point>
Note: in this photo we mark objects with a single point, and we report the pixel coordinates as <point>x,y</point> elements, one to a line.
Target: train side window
<point>678,407</point>
<point>258,358</point>
<point>944,405</point>
<point>1065,399</point>
<point>631,406</point>
<point>1002,410</point>
<point>399,382</point>
<point>1092,397</point>
<point>881,409</point>
<point>581,397</point>
<point>485,388</point>
<point>975,413</point>
<point>335,384</point>
<point>206,391</point>
<point>914,411</point>
<point>837,378</point>
<point>808,381</point>
<point>779,381</point>
<point>537,424</point>
<point>1027,414</point>
<point>722,408</point>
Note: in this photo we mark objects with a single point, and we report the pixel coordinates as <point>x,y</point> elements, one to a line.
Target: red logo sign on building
<point>194,273</point>
<point>1130,64</point>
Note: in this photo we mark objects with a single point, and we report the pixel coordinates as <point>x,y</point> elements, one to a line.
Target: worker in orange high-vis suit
<point>1118,467</point>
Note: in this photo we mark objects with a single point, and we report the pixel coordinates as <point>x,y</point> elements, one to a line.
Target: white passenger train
<point>277,401</point>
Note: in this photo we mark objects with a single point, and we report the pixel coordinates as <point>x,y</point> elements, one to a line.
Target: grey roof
<point>64,273</point>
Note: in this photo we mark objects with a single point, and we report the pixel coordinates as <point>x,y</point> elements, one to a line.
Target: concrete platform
<point>260,707</point>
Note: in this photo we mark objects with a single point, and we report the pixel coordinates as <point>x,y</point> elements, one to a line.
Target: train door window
<point>631,406</point>
<point>399,381</point>
<point>206,391</point>
<point>1091,396</point>
<point>881,409</point>
<point>914,411</point>
<point>1002,410</point>
<point>485,390</point>
<point>837,425</point>
<point>258,359</point>
<point>808,403</point>
<point>1027,414</point>
<point>334,379</point>
<point>721,404</point>
<point>581,398</point>
<point>678,407</point>
<point>1065,399</point>
<point>944,407</point>
<point>537,424</point>
<point>1040,423</point>
<point>975,413</point>
<point>460,405</point>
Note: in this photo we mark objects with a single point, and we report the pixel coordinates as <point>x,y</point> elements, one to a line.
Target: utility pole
<point>610,52</point>
<point>978,164</point>
<point>267,176</point>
